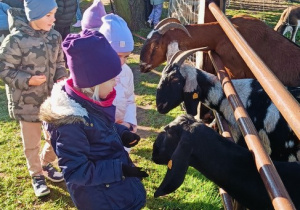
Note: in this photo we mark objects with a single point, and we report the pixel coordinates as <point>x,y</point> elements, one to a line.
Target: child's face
<point>123,57</point>
<point>106,88</point>
<point>45,23</point>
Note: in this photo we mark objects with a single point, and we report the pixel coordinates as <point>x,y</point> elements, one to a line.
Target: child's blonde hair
<point>92,92</point>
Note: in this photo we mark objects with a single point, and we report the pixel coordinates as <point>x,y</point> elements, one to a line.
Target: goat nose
<point>142,67</point>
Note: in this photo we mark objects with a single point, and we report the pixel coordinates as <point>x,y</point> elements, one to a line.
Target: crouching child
<point>80,118</point>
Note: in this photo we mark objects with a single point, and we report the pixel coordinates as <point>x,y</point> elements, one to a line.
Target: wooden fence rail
<point>282,99</point>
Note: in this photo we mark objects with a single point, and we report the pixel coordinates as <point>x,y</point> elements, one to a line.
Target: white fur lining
<point>62,105</point>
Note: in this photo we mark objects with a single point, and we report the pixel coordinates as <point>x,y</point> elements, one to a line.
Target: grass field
<point>195,193</point>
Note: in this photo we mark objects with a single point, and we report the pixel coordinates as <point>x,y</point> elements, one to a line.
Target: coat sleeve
<point>60,64</point>
<point>120,129</point>
<point>72,148</point>
<point>10,62</point>
<point>130,113</point>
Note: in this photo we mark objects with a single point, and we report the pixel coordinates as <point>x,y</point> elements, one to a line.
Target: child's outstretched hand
<point>132,128</point>
<point>130,139</point>
<point>37,80</point>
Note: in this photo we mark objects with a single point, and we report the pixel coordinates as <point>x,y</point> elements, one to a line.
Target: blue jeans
<point>156,13</point>
<point>78,12</point>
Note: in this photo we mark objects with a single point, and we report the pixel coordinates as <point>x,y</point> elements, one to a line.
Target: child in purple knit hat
<point>91,18</point>
<point>116,31</point>
<point>80,118</point>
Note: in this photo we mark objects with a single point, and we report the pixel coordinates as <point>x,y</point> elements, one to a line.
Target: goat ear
<point>177,167</point>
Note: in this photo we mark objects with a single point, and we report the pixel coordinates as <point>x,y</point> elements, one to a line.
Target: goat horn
<point>174,56</point>
<point>180,56</point>
<point>165,21</point>
<point>162,30</point>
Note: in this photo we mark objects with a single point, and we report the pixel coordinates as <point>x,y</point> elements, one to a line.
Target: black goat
<point>191,86</point>
<point>186,142</point>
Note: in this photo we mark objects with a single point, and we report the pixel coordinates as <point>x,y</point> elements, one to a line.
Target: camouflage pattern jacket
<point>26,52</point>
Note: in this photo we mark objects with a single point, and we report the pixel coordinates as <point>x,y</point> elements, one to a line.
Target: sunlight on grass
<point>195,193</point>
<point>147,84</point>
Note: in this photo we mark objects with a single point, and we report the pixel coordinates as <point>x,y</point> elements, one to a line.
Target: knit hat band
<point>36,9</point>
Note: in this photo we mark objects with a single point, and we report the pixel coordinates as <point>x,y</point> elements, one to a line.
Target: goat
<point>191,86</point>
<point>278,53</point>
<point>289,21</point>
<point>186,142</point>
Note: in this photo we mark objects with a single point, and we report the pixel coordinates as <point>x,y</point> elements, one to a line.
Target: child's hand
<point>130,139</point>
<point>132,128</point>
<point>125,124</point>
<point>61,79</point>
<point>37,80</point>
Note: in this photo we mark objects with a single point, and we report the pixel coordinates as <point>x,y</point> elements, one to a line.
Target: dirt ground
<point>143,131</point>
<point>105,2</point>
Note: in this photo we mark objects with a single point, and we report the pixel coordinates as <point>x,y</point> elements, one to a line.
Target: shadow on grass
<point>150,119</point>
<point>174,204</point>
<point>59,194</point>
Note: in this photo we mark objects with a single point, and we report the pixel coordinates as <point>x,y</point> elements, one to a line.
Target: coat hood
<point>59,109</point>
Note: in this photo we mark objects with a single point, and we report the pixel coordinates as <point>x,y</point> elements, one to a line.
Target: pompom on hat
<point>116,31</point>
<point>91,18</point>
<point>90,58</point>
<point>36,9</point>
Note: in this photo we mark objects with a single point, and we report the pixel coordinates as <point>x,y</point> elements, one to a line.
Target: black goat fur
<point>187,142</point>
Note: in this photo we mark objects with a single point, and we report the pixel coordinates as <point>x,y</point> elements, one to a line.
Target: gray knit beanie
<point>36,9</point>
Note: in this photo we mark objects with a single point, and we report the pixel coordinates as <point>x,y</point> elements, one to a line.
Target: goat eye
<point>174,79</point>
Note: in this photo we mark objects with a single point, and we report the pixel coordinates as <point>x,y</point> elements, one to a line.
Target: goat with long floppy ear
<point>289,20</point>
<point>184,83</point>
<point>173,81</point>
<point>158,32</point>
<point>277,52</point>
<point>187,142</point>
<point>178,166</point>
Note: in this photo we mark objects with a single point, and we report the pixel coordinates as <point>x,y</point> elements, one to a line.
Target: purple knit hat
<point>91,18</point>
<point>90,58</point>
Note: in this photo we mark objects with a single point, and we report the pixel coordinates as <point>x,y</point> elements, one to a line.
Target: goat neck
<point>202,35</point>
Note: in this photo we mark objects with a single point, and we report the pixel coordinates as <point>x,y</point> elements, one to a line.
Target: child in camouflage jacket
<point>31,60</point>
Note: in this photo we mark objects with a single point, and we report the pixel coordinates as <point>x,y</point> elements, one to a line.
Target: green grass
<point>269,17</point>
<point>195,193</point>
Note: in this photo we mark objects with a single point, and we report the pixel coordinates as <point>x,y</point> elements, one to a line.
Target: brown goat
<point>279,54</point>
<point>289,19</point>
